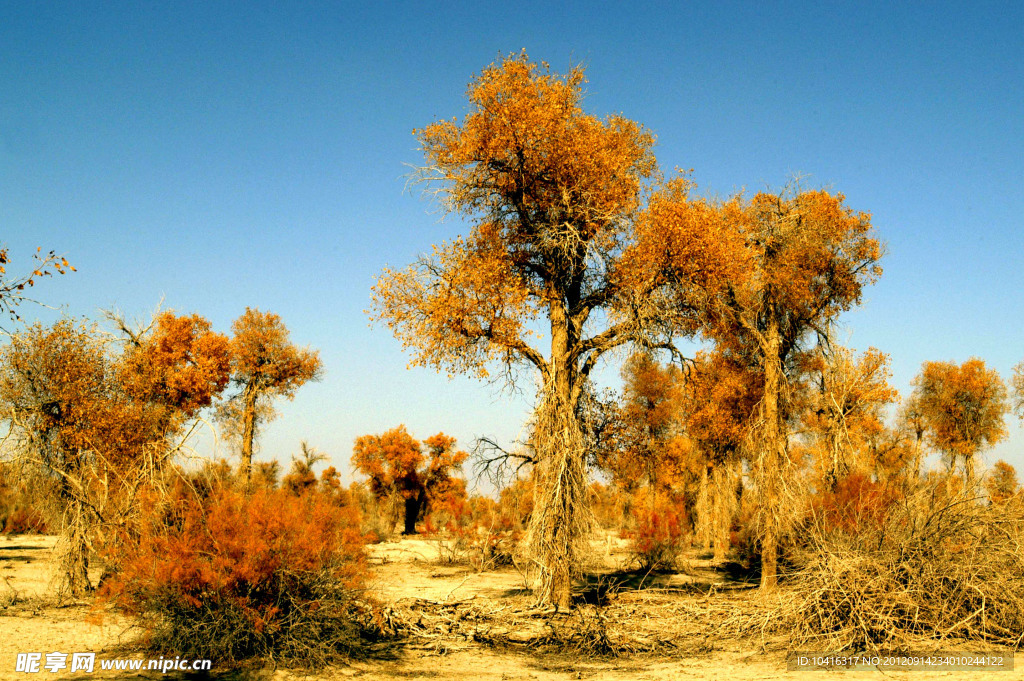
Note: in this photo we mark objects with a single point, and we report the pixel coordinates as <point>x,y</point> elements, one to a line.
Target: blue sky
<point>224,154</point>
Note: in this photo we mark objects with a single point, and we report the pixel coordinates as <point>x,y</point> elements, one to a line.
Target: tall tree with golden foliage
<point>264,365</point>
<point>964,408</point>
<point>552,193</point>
<point>768,273</point>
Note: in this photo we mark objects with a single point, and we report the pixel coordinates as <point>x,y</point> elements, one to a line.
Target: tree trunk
<point>559,521</point>
<point>248,428</point>
<point>704,519</point>
<point>72,551</point>
<point>771,458</point>
<point>412,514</point>
<point>722,516</point>
<point>917,456</point>
<point>969,473</point>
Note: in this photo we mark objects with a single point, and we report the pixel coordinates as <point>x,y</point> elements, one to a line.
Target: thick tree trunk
<point>412,514</point>
<point>969,474</point>
<point>559,522</point>
<point>73,549</point>
<point>248,429</point>
<point>771,459</point>
<point>917,457</point>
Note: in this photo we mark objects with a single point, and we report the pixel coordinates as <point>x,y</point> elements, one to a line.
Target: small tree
<point>396,464</point>
<point>1001,483</point>
<point>719,400</point>
<point>846,411</point>
<point>638,446</point>
<point>264,365</point>
<point>95,422</point>
<point>963,406</point>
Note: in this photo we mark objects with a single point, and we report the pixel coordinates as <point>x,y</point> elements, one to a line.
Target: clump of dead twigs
<point>933,566</point>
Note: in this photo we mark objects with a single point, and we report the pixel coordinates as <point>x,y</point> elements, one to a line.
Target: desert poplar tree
<point>551,194</point>
<point>264,365</point>
<point>846,410</point>
<point>719,398</point>
<point>94,423</point>
<point>964,406</point>
<point>768,274</point>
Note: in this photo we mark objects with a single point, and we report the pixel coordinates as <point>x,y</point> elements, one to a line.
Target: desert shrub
<point>515,503</point>
<point>660,533</point>
<point>857,504</point>
<point>231,577</point>
<point>21,510</point>
<point>24,520</point>
<point>929,566</point>
<point>482,548</point>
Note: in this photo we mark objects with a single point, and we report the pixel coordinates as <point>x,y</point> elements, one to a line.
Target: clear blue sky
<point>230,154</point>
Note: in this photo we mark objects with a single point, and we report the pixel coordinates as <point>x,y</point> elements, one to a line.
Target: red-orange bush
<point>231,577</point>
<point>857,504</point>
<point>659,535</point>
<point>24,520</point>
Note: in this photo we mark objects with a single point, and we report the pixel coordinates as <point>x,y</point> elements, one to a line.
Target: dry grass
<point>933,569</point>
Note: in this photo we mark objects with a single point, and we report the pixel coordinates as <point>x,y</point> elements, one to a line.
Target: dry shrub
<point>21,511</point>
<point>230,576</point>
<point>660,534</point>
<point>479,547</point>
<point>22,520</point>
<point>857,504</point>
<point>880,573</point>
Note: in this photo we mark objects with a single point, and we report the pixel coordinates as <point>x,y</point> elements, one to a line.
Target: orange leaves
<point>1001,483</point>
<point>231,573</point>
<point>460,309</point>
<point>262,354</point>
<point>59,384</point>
<point>390,460</point>
<point>719,399</point>
<point>552,192</point>
<point>526,144</point>
<point>695,246</point>
<point>803,255</point>
<point>857,505</point>
<point>396,463</point>
<point>644,437</point>
<point>182,364</point>
<point>963,405</point>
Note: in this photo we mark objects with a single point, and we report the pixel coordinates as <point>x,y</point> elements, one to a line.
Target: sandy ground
<point>30,621</point>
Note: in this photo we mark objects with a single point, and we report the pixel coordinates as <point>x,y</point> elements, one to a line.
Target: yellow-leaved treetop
<point>396,464</point>
<point>767,274</point>
<point>552,194</point>
<point>963,406</point>
<point>264,365</point>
